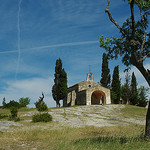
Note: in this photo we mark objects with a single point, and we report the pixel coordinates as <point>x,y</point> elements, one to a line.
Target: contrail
<point>65,44</point>
<point>53,45</point>
<point>18,28</point>
<point>7,52</point>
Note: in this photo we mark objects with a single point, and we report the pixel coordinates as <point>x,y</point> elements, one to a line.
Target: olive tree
<point>133,45</point>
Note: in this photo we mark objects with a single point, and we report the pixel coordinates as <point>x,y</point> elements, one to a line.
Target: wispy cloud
<point>52,46</point>
<point>29,88</point>
<point>18,43</point>
<point>139,76</point>
<point>51,29</point>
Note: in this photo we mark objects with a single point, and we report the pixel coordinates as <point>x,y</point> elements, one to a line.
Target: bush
<point>13,103</point>
<point>45,117</point>
<point>24,101</point>
<point>16,119</point>
<point>40,101</point>
<point>42,107</point>
<point>14,112</point>
<point>3,116</point>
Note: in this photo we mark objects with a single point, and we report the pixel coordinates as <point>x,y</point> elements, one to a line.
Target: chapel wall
<point>81,98</point>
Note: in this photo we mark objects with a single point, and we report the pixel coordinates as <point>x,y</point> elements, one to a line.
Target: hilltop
<point>71,124</point>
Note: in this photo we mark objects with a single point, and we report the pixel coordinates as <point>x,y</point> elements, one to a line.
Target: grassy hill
<point>115,127</point>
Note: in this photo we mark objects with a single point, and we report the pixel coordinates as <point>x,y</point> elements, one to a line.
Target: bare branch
<point>111,19</point>
<point>142,59</point>
<point>132,18</point>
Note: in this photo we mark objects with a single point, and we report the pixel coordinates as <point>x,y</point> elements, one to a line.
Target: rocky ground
<point>95,115</point>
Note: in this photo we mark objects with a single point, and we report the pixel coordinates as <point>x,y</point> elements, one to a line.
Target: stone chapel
<point>87,92</point>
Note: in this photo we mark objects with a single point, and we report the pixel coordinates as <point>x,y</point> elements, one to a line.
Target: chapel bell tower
<point>89,76</point>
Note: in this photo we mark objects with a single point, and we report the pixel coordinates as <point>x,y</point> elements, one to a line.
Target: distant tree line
<point>133,44</point>
<point>14,106</point>
<point>128,93</point>
<point>23,102</point>
<point>133,95</point>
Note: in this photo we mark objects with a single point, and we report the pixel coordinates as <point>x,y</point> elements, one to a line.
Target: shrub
<point>17,119</point>
<point>42,107</point>
<point>14,112</point>
<point>45,117</point>
<point>24,101</point>
<point>3,116</point>
<point>40,101</point>
<point>13,103</point>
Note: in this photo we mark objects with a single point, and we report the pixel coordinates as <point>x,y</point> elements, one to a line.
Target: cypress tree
<point>105,76</point>
<point>115,86</point>
<point>59,89</point>
<point>125,90</point>
<point>142,96</point>
<point>4,103</point>
<point>134,93</point>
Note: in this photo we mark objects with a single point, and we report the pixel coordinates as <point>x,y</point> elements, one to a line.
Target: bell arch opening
<point>98,98</point>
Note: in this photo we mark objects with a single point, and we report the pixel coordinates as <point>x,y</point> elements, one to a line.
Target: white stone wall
<point>82,93</point>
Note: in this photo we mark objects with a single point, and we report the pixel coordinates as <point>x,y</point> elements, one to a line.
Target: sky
<point>34,34</point>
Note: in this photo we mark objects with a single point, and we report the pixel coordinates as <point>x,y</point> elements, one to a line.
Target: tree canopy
<point>133,45</point>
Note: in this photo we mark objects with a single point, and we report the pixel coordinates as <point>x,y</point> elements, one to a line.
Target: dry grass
<point>53,136</point>
<point>133,111</point>
<point>68,138</point>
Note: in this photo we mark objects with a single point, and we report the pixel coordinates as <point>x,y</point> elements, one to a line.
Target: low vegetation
<point>44,117</point>
<point>42,107</point>
<point>44,136</point>
<point>23,102</point>
<point>133,111</point>
<point>3,116</point>
<point>121,137</point>
<point>14,113</point>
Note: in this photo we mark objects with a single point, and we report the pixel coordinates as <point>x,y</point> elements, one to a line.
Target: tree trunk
<point>57,104</point>
<point>146,75</point>
<point>147,128</point>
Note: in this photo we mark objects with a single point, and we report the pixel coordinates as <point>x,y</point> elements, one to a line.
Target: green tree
<point>134,43</point>
<point>105,76</point>
<point>134,93</point>
<point>59,89</point>
<point>14,112</point>
<point>142,96</point>
<point>40,104</point>
<point>24,101</point>
<point>4,103</point>
<point>12,103</point>
<point>125,90</point>
<point>115,86</point>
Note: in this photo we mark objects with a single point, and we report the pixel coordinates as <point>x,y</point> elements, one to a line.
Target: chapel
<point>87,92</point>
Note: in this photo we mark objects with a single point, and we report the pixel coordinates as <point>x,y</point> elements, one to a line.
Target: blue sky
<point>33,34</point>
